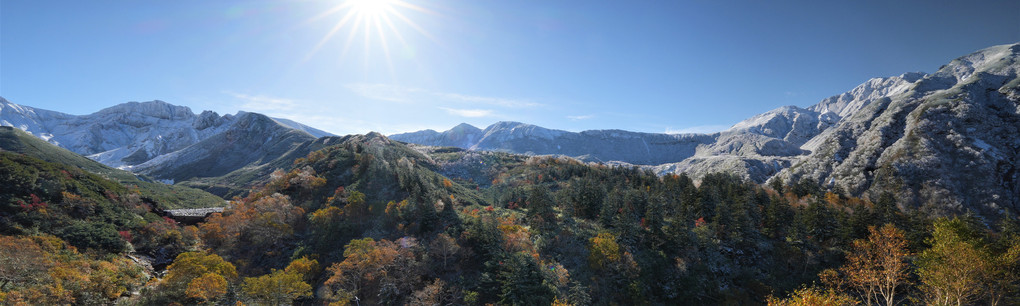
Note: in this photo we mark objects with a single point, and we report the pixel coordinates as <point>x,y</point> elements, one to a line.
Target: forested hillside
<point>369,221</point>
<point>66,234</point>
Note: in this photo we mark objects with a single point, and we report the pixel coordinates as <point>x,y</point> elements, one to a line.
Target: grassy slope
<point>168,196</point>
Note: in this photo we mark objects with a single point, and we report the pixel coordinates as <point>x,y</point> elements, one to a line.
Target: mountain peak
<point>507,124</point>
<point>154,108</point>
<point>1000,60</point>
<point>464,127</point>
<point>913,76</point>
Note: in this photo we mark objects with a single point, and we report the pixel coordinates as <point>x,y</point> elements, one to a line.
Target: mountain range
<point>945,141</point>
<point>756,149</point>
<point>942,142</point>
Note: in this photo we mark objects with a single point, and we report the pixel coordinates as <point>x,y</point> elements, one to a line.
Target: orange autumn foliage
<point>254,223</point>
<point>209,286</point>
<point>370,265</point>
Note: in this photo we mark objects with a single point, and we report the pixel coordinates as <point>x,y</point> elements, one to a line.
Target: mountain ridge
<point>884,115</point>
<point>165,141</point>
<point>858,140</point>
<point>130,133</point>
<point>946,144</point>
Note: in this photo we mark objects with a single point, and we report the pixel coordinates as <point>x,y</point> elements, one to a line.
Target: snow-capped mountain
<point>756,148</point>
<point>251,139</point>
<point>763,145</point>
<point>155,135</point>
<point>750,150</point>
<point>947,140</point>
<point>462,136</point>
<point>596,145</point>
<point>943,142</point>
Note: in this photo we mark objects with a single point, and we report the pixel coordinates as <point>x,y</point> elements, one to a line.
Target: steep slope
<point>78,237</point>
<point>849,103</point>
<point>317,133</point>
<point>947,142</point>
<point>252,140</point>
<point>239,181</point>
<point>789,123</point>
<point>168,196</point>
<point>29,119</point>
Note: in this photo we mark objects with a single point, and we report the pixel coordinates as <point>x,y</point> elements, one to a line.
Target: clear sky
<point>652,66</point>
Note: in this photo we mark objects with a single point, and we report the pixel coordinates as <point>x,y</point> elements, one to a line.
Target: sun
<point>370,8</point>
<point>373,21</point>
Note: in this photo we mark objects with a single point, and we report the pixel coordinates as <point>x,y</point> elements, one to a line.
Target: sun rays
<point>373,21</point>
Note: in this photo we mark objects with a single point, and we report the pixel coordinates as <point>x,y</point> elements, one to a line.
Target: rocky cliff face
<point>944,142</point>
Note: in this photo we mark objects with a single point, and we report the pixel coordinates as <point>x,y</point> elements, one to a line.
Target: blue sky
<point>652,66</point>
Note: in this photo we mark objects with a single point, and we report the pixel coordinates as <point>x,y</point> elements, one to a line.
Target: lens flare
<point>374,21</point>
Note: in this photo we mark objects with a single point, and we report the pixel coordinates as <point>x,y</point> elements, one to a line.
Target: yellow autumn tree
<point>603,250</point>
<point>813,297</point>
<point>306,268</point>
<point>208,287</point>
<point>877,266</point>
<point>189,266</point>
<point>279,287</point>
<point>45,270</point>
<point>951,270</point>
